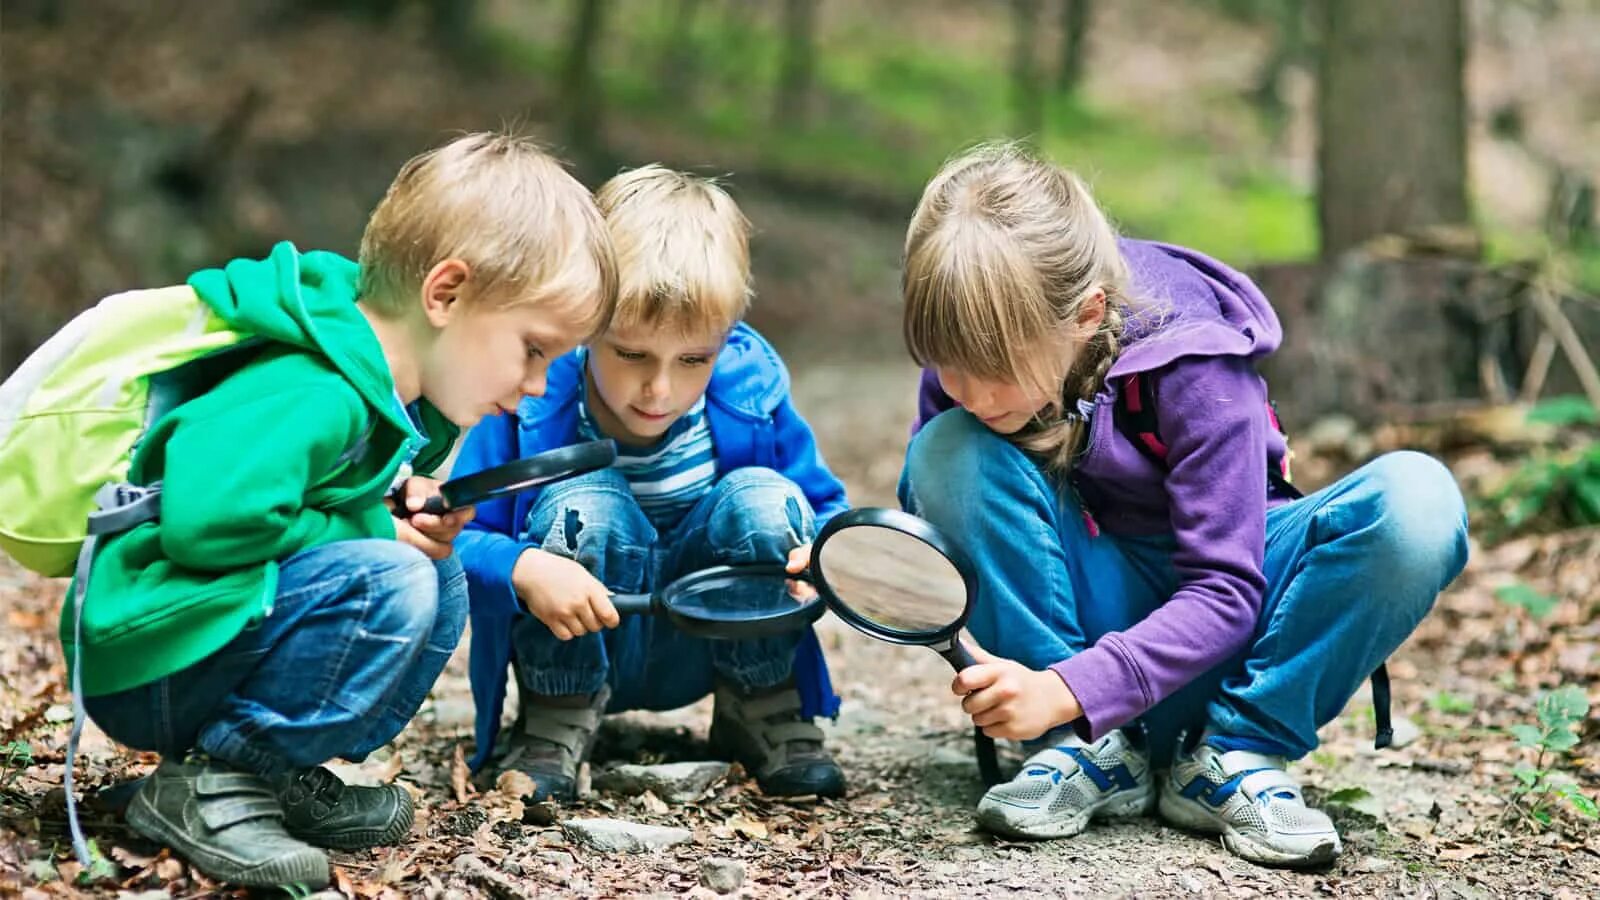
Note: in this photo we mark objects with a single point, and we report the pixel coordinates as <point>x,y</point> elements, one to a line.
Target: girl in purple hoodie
<point>1144,604</point>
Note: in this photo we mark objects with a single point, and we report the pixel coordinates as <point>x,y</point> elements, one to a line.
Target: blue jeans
<point>358,633</point>
<point>1350,570</point>
<point>752,515</point>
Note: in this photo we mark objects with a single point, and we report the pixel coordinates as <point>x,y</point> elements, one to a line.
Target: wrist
<point>1063,701</point>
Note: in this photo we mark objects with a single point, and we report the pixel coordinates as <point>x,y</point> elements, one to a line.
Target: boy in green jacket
<point>279,613</point>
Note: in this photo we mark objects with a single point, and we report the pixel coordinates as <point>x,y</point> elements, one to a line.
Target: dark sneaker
<point>320,809</point>
<point>552,737</point>
<point>763,730</point>
<point>228,823</point>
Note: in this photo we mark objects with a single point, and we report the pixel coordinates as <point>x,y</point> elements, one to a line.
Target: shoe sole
<point>1121,805</point>
<point>309,868</point>
<point>362,839</point>
<point>1188,814</point>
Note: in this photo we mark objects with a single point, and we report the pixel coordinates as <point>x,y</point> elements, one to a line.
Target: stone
<point>674,782</point>
<point>1405,731</point>
<point>721,874</point>
<point>621,836</point>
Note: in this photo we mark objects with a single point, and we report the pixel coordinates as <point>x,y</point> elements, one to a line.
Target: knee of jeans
<point>589,512</point>
<point>451,616</point>
<point>954,459</point>
<point>758,514</point>
<point>1421,523</point>
<point>402,587</point>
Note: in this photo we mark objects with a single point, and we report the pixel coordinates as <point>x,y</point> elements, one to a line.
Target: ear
<point>442,289</point>
<point>1092,312</point>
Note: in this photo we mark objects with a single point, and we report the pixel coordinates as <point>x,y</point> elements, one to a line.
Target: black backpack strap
<point>1135,417</point>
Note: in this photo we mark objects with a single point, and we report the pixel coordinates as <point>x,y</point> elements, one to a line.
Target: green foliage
<point>14,757</point>
<point>1538,792</point>
<point>1520,595</point>
<point>1547,493</point>
<point>1451,704</point>
<point>101,868</point>
<point>1564,411</point>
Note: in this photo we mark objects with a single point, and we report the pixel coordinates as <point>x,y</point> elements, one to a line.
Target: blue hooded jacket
<point>753,423</point>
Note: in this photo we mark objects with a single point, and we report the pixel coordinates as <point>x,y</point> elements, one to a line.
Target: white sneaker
<point>1063,786</point>
<point>1252,802</point>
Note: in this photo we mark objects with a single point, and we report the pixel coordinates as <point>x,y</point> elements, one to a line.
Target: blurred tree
<point>580,81</point>
<point>1392,123</point>
<point>1027,96</point>
<point>678,58</point>
<point>792,106</point>
<point>1075,15</point>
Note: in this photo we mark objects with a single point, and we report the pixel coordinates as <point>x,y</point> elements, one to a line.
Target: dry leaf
<point>131,859</point>
<point>652,802</point>
<point>750,828</point>
<point>513,783</point>
<point>1463,853</point>
<point>341,878</point>
<point>391,769</point>
<point>169,869</point>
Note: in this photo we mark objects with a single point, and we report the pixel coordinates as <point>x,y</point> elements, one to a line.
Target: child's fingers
<point>586,617</point>
<point>986,699</point>
<point>974,678</point>
<point>989,718</point>
<point>799,558</point>
<point>605,613</point>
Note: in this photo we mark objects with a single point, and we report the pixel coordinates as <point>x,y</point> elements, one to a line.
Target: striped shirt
<point>670,476</point>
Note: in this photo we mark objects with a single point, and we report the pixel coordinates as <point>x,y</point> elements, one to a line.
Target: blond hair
<point>1004,251</point>
<point>528,231</point>
<point>683,250</point>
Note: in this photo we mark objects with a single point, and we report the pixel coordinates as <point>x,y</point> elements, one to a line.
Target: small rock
<point>58,713</point>
<point>721,874</point>
<point>675,782</point>
<point>619,836</point>
<point>163,895</point>
<point>950,756</point>
<point>1405,731</point>
<point>1374,864</point>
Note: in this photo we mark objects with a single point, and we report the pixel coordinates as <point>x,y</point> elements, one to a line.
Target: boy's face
<point>486,358</point>
<point>647,376</point>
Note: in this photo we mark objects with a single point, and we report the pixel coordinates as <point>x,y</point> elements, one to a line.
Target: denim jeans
<point>752,515</point>
<point>1350,570</point>
<point>358,633</point>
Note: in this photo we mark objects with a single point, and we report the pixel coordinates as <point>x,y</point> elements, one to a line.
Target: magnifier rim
<point>911,526</point>
<point>532,471</point>
<point>802,615</point>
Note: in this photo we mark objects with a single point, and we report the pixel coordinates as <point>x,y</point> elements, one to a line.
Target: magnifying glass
<point>731,602</point>
<point>897,578</point>
<point>517,475</point>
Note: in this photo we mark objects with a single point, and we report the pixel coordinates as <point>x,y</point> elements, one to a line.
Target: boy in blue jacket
<point>714,467</point>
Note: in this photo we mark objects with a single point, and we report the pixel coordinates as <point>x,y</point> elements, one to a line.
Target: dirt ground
<point>1431,824</point>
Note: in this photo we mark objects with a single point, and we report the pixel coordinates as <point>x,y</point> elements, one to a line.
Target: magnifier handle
<point>434,505</point>
<point>633,604</point>
<point>957,655</point>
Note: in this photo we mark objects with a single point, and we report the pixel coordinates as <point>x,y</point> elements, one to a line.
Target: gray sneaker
<point>763,730</point>
<point>228,823</point>
<point>552,737</point>
<point>321,810</point>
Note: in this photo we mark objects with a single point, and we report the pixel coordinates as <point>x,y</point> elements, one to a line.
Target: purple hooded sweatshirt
<point>1196,327</point>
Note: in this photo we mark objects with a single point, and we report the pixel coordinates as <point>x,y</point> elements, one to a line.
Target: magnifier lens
<point>741,597</point>
<point>893,580</point>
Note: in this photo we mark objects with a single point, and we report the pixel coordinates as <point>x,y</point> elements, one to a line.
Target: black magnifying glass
<point>517,475</point>
<point>897,578</point>
<point>731,602</point>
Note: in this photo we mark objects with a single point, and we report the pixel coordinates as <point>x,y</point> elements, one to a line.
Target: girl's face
<point>1001,405</point>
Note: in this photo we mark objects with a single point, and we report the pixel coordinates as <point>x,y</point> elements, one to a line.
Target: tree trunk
<point>1392,121</point>
<point>678,59</point>
<point>580,83</point>
<point>792,106</point>
<point>1074,28</point>
<point>1027,97</point>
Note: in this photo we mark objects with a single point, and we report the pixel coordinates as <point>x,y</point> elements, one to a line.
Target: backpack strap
<point>1135,417</point>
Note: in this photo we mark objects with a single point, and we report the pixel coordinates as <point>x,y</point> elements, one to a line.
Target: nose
<point>533,380</point>
<point>659,385</point>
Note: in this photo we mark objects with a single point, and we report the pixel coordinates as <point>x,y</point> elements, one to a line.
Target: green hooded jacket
<point>253,470</point>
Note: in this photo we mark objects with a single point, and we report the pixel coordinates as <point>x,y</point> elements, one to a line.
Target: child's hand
<point>429,533</point>
<point>799,559</point>
<point>1009,700</point>
<point>562,594</point>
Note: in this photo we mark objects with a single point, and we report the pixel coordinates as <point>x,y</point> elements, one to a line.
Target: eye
<point>533,351</point>
<point>629,355</point>
<point>694,360</point>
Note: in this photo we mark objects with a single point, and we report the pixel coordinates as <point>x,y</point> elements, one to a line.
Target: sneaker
<point>762,730</point>
<point>552,737</point>
<point>1252,802</point>
<point>1061,787</point>
<point>227,822</point>
<point>321,810</point>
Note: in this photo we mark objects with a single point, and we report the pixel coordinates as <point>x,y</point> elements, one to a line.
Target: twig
<point>497,884</point>
<point>1558,324</point>
<point>1538,367</point>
